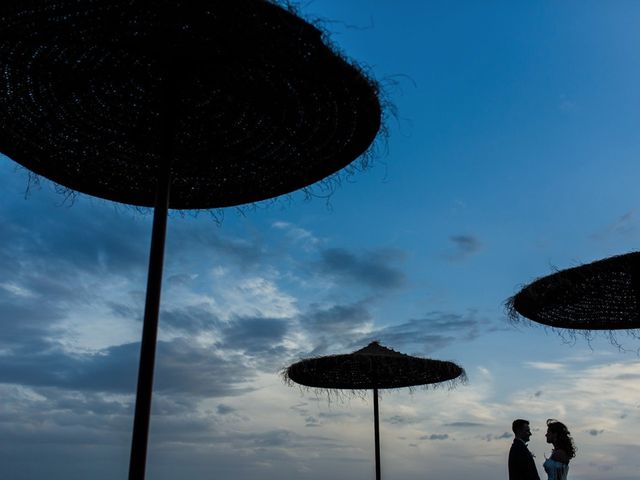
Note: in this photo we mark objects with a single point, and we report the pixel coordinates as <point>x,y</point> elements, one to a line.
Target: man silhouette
<point>521,464</point>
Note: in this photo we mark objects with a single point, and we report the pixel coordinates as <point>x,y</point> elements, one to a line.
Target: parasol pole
<point>140,437</point>
<point>376,430</point>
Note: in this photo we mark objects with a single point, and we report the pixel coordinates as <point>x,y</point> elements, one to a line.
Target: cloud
<point>59,418</point>
<point>344,328</point>
<point>242,251</point>
<point>182,368</point>
<point>60,265</point>
<point>600,467</point>
<point>254,296</point>
<point>276,438</point>
<point>321,418</point>
<point>550,366</point>
<point>624,226</point>
<point>434,331</point>
<point>374,270</point>
<point>463,247</point>
<point>401,420</point>
<point>311,421</point>
<point>223,409</point>
<point>337,319</point>
<point>490,437</point>
<point>27,324</point>
<point>190,319</point>
<point>597,398</point>
<point>464,424</point>
<point>298,235</point>
<point>43,238</point>
<point>435,436</point>
<point>259,339</point>
<point>628,376</point>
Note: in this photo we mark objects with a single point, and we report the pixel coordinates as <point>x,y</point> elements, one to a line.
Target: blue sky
<point>513,152</point>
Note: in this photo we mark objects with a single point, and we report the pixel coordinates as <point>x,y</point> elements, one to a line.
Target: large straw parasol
<point>372,367</point>
<point>603,295</point>
<point>184,104</point>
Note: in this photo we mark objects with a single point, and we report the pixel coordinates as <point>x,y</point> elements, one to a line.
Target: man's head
<point>521,429</point>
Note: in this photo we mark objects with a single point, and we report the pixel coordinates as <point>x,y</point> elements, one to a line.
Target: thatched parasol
<point>603,295</point>
<point>184,104</point>
<point>372,367</point>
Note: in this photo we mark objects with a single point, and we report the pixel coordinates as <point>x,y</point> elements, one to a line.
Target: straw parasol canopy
<point>373,367</point>
<point>603,295</point>
<point>259,105</point>
<point>184,104</point>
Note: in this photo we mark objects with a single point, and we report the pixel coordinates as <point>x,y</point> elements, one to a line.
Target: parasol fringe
<point>346,394</point>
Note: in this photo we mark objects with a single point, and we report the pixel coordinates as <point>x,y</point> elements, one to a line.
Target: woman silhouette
<point>557,466</point>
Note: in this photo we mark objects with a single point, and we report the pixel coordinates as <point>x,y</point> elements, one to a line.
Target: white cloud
<point>259,296</point>
<point>545,365</point>
<point>298,235</point>
<point>17,290</point>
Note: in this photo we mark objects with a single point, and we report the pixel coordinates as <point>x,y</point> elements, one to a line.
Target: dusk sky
<point>512,150</point>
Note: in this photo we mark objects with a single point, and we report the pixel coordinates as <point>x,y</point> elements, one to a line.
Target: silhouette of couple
<point>521,461</point>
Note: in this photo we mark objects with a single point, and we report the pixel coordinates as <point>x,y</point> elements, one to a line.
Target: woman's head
<point>558,434</point>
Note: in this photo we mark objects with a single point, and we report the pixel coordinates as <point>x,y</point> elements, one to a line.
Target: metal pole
<point>376,430</point>
<point>140,437</point>
<point>138,459</point>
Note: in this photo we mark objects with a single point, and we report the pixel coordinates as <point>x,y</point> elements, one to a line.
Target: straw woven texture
<point>374,366</point>
<point>602,295</point>
<point>260,105</point>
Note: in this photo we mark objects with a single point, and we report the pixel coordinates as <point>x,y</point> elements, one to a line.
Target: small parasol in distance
<point>371,368</point>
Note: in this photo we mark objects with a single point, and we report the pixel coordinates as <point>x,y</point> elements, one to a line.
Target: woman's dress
<point>555,470</point>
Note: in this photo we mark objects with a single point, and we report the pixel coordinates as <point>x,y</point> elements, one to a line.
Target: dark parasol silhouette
<point>176,104</point>
<point>603,295</point>
<point>372,367</point>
